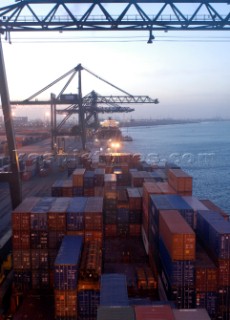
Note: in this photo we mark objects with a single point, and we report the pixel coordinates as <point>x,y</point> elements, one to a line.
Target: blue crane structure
<point>97,15</point>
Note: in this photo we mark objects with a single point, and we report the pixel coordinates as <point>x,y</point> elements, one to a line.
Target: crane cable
<point>109,83</point>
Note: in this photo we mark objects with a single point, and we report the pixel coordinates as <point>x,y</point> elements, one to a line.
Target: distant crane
<point>86,107</point>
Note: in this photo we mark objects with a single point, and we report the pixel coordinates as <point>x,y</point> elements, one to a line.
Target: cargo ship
<point>120,239</point>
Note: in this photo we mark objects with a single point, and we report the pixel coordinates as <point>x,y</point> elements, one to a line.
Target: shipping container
<point>213,207</point>
<point>113,290</point>
<point>196,205</point>
<point>177,235</point>
<point>154,312</point>
<point>180,273</point>
<point>214,232</point>
<point>206,272</point>
<point>21,214</point>
<point>115,313</point>
<point>180,180</point>
<point>198,314</point>
<point>65,304</point>
<point>57,214</point>
<point>67,263</point>
<point>78,177</point>
<point>75,218</point>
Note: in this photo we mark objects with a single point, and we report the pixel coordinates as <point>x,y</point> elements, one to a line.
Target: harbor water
<point>202,149</point>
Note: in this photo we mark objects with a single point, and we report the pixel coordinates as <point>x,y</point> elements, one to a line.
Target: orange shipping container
<point>65,303</point>
<point>180,180</point>
<point>148,189</point>
<point>21,214</point>
<point>78,177</point>
<point>177,235</point>
<point>135,199</point>
<point>165,188</point>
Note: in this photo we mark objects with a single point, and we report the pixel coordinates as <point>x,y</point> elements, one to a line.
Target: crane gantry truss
<point>88,15</point>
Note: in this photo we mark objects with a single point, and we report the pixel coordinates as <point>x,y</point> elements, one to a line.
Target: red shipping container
<point>135,199</point>
<point>21,214</point>
<point>110,230</point>
<point>135,230</point>
<point>206,272</point>
<point>21,240</point>
<point>65,303</point>
<point>78,177</point>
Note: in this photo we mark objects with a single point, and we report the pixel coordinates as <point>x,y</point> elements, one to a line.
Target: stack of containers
<point>180,181</point>
<point>177,246</point>
<point>206,276</point>
<point>78,180</point>
<point>122,213</point>
<point>99,177</point>
<point>56,189</point>
<point>66,269</point>
<point>165,187</point>
<point>89,280</point>
<point>135,211</point>
<point>31,167</point>
<point>214,233</point>
<point>39,243</point>
<point>93,213</point>
<point>67,188</point>
<point>149,188</point>
<point>110,204</point>
<point>57,228</point>
<point>213,207</point>
<point>75,216</point>
<point>88,183</point>
<point>21,244</point>
<point>162,202</point>
<point>138,177</point>
<point>196,205</point>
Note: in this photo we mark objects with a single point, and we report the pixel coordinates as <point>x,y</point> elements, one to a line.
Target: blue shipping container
<point>214,232</point>
<point>114,290</point>
<point>66,264</point>
<point>75,213</point>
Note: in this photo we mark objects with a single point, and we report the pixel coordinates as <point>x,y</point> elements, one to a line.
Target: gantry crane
<point>86,107</point>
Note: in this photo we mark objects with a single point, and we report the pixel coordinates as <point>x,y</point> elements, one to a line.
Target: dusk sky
<point>187,71</point>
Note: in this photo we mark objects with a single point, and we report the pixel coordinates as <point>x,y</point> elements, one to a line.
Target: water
<point>201,149</point>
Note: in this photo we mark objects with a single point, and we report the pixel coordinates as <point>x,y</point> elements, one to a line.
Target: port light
<point>115,145</point>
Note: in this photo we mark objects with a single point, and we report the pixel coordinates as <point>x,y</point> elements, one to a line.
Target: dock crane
<point>86,107</point>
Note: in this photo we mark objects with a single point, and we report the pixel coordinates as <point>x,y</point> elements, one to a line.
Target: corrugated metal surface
<point>206,272</point>
<point>180,273</point>
<point>198,314</point>
<point>215,233</point>
<point>75,213</point>
<point>67,263</point>
<point>114,290</point>
<point>21,214</point>
<point>155,312</point>
<point>115,313</point>
<point>177,235</point>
